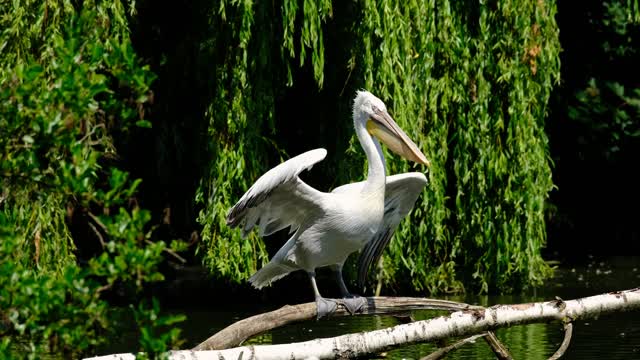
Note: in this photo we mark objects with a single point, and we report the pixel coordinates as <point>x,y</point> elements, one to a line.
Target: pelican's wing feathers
<point>401,193</point>
<point>278,199</point>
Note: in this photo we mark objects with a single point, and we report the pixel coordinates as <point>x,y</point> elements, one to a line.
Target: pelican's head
<point>371,113</point>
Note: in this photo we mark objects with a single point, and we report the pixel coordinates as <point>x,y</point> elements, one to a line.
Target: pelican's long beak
<point>382,126</point>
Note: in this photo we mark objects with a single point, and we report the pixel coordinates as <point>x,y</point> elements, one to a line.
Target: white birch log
<point>460,323</point>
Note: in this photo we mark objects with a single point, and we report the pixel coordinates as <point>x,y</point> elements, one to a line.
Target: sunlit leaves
<point>56,117</point>
<point>454,77</point>
<point>468,81</point>
<point>69,83</point>
<point>305,17</point>
<point>236,114</point>
<point>57,314</point>
<point>154,340</point>
<point>64,313</point>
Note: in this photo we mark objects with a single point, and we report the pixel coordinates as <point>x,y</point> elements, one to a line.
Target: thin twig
<point>442,352</point>
<point>36,240</point>
<point>170,252</point>
<point>97,232</point>
<point>351,67</point>
<point>91,132</point>
<point>104,228</point>
<point>4,194</point>
<point>104,287</point>
<point>568,331</point>
<point>98,222</point>
<point>498,347</point>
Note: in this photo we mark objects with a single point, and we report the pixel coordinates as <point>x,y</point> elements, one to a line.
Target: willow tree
<point>470,81</point>
<point>71,90</point>
<point>70,82</point>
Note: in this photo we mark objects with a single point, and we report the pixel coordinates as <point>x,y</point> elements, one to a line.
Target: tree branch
<point>568,331</point>
<point>170,252</point>
<point>442,352</point>
<point>460,323</point>
<point>238,332</point>
<point>498,348</point>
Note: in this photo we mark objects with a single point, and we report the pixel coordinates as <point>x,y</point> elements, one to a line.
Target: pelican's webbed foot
<point>354,304</point>
<point>325,307</point>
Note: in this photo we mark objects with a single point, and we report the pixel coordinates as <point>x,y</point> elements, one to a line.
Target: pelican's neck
<point>376,177</point>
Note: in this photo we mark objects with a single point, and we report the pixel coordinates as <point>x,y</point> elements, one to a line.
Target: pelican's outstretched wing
<point>400,195</point>
<point>278,199</point>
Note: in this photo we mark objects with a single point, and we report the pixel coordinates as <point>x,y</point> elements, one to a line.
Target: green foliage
<point>128,261</point>
<point>241,113</point>
<point>480,78</point>
<point>314,14</point>
<point>469,81</point>
<point>70,83</point>
<point>155,343</point>
<point>47,313</point>
<point>610,112</point>
<point>608,108</point>
<point>65,313</point>
<point>233,130</point>
<point>58,116</point>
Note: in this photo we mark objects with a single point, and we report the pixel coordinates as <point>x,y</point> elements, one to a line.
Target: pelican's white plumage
<point>327,227</point>
<point>279,199</point>
<point>401,193</point>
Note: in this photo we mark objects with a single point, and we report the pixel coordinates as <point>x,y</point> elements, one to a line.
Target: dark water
<point>609,337</point>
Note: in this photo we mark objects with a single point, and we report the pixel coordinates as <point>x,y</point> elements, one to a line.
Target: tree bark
<point>236,333</point>
<point>442,352</point>
<point>459,323</point>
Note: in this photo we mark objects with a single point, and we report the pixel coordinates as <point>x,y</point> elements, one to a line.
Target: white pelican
<point>328,227</point>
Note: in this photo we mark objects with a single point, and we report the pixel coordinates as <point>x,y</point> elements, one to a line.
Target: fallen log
<point>460,323</point>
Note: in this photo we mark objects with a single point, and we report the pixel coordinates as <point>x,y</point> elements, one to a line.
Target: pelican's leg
<point>343,288</point>
<point>325,306</point>
<point>353,303</point>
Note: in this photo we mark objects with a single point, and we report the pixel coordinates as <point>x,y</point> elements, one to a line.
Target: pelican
<point>326,227</point>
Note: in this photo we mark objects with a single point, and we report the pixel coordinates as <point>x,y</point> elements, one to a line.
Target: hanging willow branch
<point>469,80</point>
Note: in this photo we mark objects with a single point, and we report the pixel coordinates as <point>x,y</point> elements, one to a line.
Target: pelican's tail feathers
<point>269,273</point>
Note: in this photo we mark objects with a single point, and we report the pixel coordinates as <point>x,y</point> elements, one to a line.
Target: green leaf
<point>143,123</point>
<point>28,139</point>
